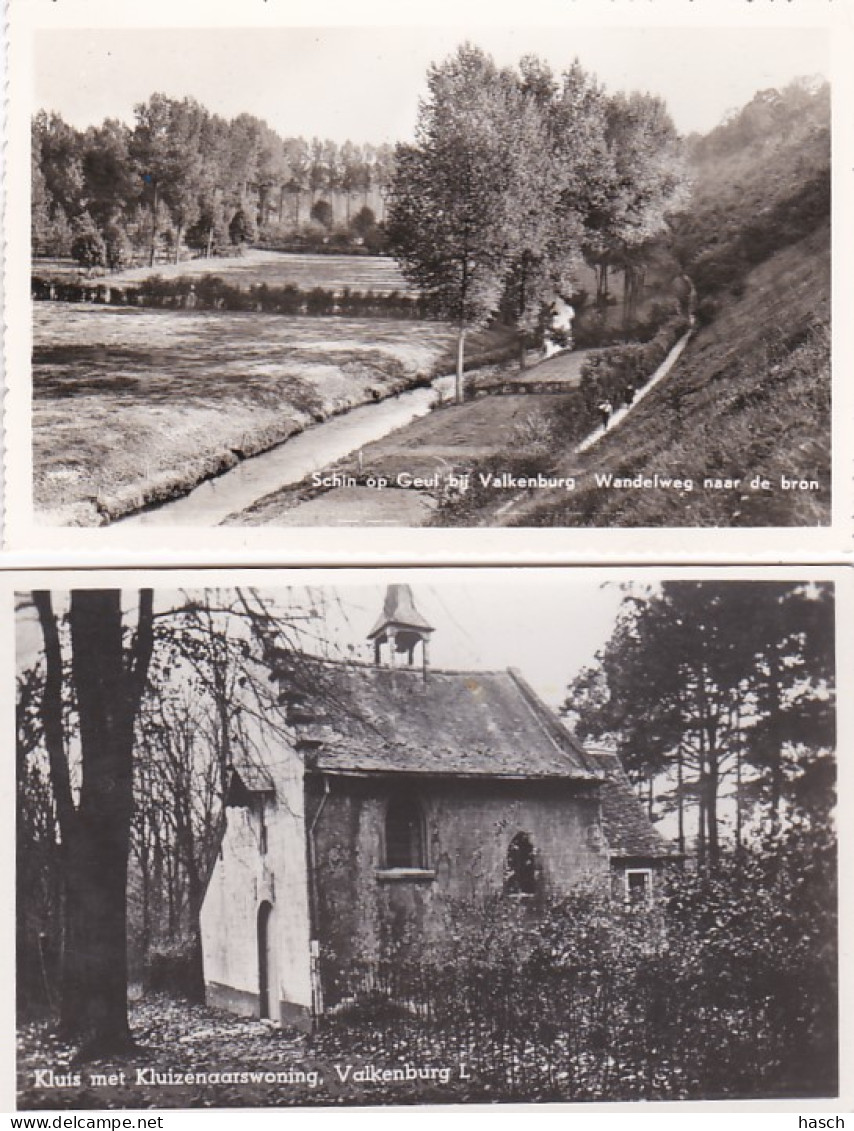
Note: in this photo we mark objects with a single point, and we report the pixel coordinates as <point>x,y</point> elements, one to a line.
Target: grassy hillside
<point>761,181</point>
<point>749,397</point>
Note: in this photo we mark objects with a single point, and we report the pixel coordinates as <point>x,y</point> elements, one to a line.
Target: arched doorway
<point>264,960</point>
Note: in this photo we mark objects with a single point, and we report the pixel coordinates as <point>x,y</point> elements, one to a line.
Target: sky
<point>548,625</point>
<point>365,83</point>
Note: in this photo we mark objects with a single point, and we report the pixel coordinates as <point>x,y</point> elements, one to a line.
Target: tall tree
<point>648,180</point>
<point>297,156</point>
<point>699,677</point>
<point>108,676</point>
<point>451,216</point>
<point>557,147</point>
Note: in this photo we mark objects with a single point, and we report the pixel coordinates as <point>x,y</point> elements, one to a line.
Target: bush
<point>118,248</point>
<point>723,987</point>
<point>321,213</point>
<point>88,248</point>
<point>241,229</point>
<point>212,292</point>
<point>364,222</point>
<point>175,968</point>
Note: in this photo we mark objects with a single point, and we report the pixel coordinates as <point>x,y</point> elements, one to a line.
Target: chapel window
<point>404,834</point>
<point>638,884</point>
<point>520,871</point>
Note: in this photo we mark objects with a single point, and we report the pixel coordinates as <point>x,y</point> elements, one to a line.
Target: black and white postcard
<point>383,837</point>
<point>547,286</point>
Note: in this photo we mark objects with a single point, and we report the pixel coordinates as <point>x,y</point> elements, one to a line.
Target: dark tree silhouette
<point>108,677</point>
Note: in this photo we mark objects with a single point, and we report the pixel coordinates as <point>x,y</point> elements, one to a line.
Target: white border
<point>309,545</point>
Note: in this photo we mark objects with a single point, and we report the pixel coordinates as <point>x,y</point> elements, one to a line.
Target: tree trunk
<point>97,873</point>
<point>460,365</point>
<point>523,351</point>
<point>680,801</point>
<point>94,991</point>
<point>774,740</point>
<point>712,805</point>
<point>153,253</point>
<point>95,834</point>
<point>738,791</point>
<point>701,800</point>
<point>179,231</point>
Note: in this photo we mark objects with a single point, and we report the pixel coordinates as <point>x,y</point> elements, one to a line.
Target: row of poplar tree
<point>186,174</point>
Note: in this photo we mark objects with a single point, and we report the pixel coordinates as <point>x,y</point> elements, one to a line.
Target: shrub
<point>241,229</point>
<point>724,986</point>
<point>364,222</point>
<point>118,248</point>
<point>321,213</point>
<point>175,968</point>
<point>88,247</point>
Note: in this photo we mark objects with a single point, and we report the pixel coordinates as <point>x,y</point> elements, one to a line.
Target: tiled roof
<point>627,828</point>
<point>382,720</point>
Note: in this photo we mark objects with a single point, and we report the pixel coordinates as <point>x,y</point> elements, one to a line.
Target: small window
<point>520,873</point>
<point>638,885</point>
<point>262,834</point>
<point>404,835</point>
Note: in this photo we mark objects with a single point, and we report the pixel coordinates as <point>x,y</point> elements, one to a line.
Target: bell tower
<point>402,628</point>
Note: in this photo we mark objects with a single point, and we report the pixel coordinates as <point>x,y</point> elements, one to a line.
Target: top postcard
<point>490,290</point>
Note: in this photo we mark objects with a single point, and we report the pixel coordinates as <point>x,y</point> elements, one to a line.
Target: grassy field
<point>379,274</point>
<point>134,406</point>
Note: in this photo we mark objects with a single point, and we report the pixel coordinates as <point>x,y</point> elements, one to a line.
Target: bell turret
<point>401,627</point>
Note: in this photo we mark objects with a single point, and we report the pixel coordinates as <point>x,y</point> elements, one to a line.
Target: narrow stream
<point>213,501</point>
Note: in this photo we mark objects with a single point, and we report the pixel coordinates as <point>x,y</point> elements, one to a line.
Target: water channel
<point>317,447</point>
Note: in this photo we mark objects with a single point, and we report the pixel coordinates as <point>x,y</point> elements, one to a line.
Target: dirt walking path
<point>399,480</point>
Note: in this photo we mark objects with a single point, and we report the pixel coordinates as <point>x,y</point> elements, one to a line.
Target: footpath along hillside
<point>743,417</point>
<point>730,435</point>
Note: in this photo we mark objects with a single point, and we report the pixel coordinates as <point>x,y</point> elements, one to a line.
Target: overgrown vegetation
<point>750,399</point>
<point>725,988</point>
<point>616,374</point>
<point>761,183</point>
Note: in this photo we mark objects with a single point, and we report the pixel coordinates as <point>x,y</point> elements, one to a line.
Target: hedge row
<point>615,374</point>
<point>214,293</point>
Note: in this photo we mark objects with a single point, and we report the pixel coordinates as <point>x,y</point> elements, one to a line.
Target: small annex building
<point>403,787</point>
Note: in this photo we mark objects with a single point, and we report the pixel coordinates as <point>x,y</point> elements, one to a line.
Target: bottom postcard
<point>425,836</point>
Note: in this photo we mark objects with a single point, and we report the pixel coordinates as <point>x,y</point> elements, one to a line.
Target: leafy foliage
<point>513,175</point>
<point>180,175</point>
<point>715,991</point>
<point>701,683</point>
<point>761,182</point>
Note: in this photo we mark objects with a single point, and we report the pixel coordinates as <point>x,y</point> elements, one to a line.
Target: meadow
<point>134,406</point>
<point>277,268</point>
